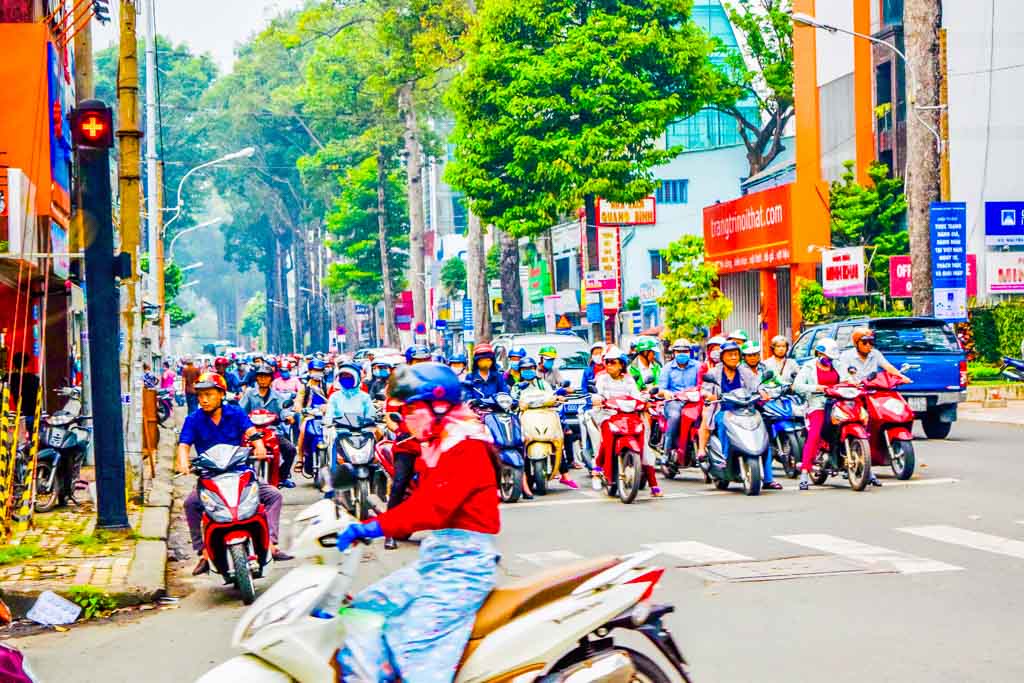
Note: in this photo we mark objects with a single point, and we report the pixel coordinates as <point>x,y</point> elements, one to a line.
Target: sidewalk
<point>1012,414</point>
<point>64,549</point>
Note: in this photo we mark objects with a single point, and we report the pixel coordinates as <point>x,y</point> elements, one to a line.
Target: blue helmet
<point>457,358</point>
<point>518,353</point>
<point>417,352</point>
<point>316,364</point>
<point>527,363</point>
<point>424,382</point>
<point>730,346</point>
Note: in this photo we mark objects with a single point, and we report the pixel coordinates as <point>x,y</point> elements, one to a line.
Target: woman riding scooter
<point>528,375</point>
<point>429,608</point>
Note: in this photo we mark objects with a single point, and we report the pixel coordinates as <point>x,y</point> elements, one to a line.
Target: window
<point>672,192</point>
<point>709,128</point>
<point>658,265</point>
<point>844,336</point>
<point>563,267</point>
<point>801,351</point>
<point>458,214</point>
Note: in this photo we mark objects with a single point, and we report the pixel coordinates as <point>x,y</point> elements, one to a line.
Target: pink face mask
<point>420,421</point>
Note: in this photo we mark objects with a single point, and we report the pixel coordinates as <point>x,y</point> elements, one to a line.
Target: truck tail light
<point>963,374</point>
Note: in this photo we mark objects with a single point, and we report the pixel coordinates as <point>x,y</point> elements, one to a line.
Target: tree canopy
<point>692,300</point>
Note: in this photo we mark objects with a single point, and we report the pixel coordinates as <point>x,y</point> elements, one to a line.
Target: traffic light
<point>101,10</point>
<point>92,125</point>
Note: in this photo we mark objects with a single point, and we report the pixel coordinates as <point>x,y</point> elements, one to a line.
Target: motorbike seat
<point>507,602</point>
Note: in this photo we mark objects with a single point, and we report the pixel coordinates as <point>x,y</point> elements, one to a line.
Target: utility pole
<point>922,20</point>
<point>152,207</point>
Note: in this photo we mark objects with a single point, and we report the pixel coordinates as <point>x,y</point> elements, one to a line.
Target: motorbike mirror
<point>709,378</point>
<point>654,391</point>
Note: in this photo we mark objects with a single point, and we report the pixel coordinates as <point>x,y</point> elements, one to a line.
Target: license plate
<point>918,404</point>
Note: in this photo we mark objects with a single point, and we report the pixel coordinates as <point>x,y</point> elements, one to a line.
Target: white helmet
<point>779,339</point>
<point>680,345</point>
<point>827,347</point>
<point>615,353</point>
<point>717,340</point>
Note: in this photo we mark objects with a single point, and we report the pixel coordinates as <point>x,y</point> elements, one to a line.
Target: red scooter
<point>265,421</point>
<point>684,453</point>
<point>891,424</point>
<point>845,445</point>
<point>621,446</point>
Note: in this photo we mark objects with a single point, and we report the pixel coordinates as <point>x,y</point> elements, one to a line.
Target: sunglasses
<point>867,340</point>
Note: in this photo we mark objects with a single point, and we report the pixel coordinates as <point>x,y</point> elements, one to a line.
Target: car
<point>929,346</point>
<point>377,351</point>
<point>573,352</point>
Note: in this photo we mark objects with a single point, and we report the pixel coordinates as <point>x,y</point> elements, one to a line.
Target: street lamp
<point>240,154</point>
<point>192,266</point>
<point>204,224</point>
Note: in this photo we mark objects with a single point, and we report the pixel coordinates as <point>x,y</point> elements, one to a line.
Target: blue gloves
<point>356,532</point>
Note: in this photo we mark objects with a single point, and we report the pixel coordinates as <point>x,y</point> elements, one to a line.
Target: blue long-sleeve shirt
<point>494,384</point>
<point>589,377</point>
<point>676,378</point>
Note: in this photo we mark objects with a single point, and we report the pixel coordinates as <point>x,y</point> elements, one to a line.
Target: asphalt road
<point>915,581</point>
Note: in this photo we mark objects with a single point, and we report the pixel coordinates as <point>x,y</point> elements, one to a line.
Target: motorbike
<point>235,529</point>
<point>64,440</point>
<point>684,453</point>
<point>619,443</point>
<point>1012,369</point>
<point>164,405</point>
<point>266,421</point>
<point>784,414</point>
<point>845,445</point>
<point>562,625</point>
<point>542,434</point>
<point>357,471</point>
<point>890,423</point>
<point>498,414</point>
<point>741,458</point>
<point>316,460</point>
<point>576,403</point>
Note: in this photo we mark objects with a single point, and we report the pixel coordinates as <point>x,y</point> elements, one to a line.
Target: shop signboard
<point>842,272</point>
<point>752,232</point>
<point>59,247</point>
<point>1005,270</point>
<point>1004,224</point>
<point>900,278</point>
<point>551,313</point>
<point>642,212</point>
<point>650,290</point>
<point>949,260</point>
<point>608,255</point>
<point>467,321</point>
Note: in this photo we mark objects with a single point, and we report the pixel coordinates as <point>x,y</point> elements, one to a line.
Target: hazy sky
<point>213,26</point>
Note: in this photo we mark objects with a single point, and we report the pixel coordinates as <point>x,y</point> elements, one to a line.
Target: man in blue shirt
<point>679,375</point>
<point>485,378</point>
<point>216,423</point>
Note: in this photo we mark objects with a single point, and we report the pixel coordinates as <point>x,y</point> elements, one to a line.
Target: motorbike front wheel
<point>163,412</point>
<point>511,484</point>
<point>538,477</point>
<point>243,577</point>
<point>750,468</point>
<point>789,451</point>
<point>630,476</point>
<point>361,502</point>
<point>858,463</point>
<point>46,500</point>
<point>902,459</point>
<point>819,470</point>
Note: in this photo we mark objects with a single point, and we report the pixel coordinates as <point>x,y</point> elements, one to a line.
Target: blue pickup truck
<point>938,366</point>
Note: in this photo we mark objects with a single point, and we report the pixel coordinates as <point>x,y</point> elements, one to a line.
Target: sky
<point>213,26</point>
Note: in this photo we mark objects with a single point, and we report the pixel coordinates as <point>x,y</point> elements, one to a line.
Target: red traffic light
<point>92,127</point>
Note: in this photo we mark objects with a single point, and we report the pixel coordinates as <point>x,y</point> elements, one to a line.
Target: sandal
<point>774,486</point>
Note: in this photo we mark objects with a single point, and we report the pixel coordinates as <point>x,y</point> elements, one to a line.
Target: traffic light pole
<point>103,315</point>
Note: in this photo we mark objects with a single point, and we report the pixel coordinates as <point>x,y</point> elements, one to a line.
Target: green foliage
<point>564,99</point>
<point>984,335</point>
<point>1009,324</point>
<point>173,280</point>
<point>692,300</point>
<point>93,601</point>
<point>453,275</point>
<point>13,554</point>
<point>493,269</point>
<point>983,372</point>
<point>814,307</point>
<point>632,304</point>
<point>254,315</point>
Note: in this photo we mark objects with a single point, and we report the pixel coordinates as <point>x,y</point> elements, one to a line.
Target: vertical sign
<point>949,260</point>
<point>467,321</point>
<point>608,262</point>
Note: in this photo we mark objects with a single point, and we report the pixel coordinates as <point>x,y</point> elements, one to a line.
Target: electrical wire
<point>988,118</point>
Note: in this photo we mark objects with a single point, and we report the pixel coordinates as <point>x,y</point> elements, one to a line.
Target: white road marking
<point>869,554</point>
<point>694,552</point>
<point>969,539</point>
<point>551,557</point>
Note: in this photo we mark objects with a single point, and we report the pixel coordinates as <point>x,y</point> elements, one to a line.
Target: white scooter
<point>557,626</point>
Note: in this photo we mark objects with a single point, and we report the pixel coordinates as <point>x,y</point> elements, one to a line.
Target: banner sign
<point>608,255</point>
<point>900,285</point>
<point>642,212</point>
<point>752,232</point>
<point>650,291</point>
<point>1004,224</point>
<point>948,222</point>
<point>842,272</point>
<point>550,313</point>
<point>1005,270</point>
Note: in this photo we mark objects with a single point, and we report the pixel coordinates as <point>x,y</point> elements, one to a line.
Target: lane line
<point>550,557</point>
<point>695,552</point>
<point>970,539</point>
<point>869,554</point>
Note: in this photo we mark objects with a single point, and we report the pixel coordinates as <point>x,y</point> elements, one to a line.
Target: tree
<point>254,316</point>
<point>173,280</point>
<point>766,28</point>
<point>453,275</point>
<point>493,269</point>
<point>692,300</point>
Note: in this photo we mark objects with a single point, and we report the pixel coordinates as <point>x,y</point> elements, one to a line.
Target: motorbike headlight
<point>250,501</point>
<point>214,506</point>
<point>505,402</point>
<point>359,453</point>
<point>799,409</point>
<point>285,608</point>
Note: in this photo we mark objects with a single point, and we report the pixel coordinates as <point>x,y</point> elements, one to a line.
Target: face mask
<point>529,374</point>
<point>682,359</point>
<point>546,365</point>
<point>316,376</point>
<point>716,356</point>
<point>285,374</point>
<point>826,361</point>
<point>380,372</point>
<point>596,358</point>
<point>347,381</point>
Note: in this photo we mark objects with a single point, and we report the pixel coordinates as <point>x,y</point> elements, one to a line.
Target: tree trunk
<point>270,318</point>
<point>476,280</point>
<point>417,225</point>
<point>390,328</point>
<point>511,289</point>
<point>303,304</point>
<point>922,20</point>
<point>283,333</point>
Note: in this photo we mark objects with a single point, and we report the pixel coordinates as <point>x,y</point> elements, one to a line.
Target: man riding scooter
<point>216,423</point>
<point>311,395</point>
<point>541,398</point>
<point>645,368</point>
<point>380,370</point>
<point>594,368</point>
<point>265,398</point>
<point>679,375</point>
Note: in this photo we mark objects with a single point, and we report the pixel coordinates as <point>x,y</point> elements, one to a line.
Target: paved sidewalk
<point>1012,414</point>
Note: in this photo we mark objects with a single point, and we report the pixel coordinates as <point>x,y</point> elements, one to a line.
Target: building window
<point>458,214</point>
<point>563,268</point>
<point>658,265</point>
<point>708,129</point>
<point>672,192</point>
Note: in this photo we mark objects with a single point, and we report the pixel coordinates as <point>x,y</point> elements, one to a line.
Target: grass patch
<point>100,539</point>
<point>13,554</point>
<point>93,601</point>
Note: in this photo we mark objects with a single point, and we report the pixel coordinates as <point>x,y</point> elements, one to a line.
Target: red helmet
<point>484,349</point>
<point>221,362</point>
<point>211,380</point>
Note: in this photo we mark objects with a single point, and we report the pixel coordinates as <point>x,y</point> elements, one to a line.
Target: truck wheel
<point>902,460</point>
<point>935,428</point>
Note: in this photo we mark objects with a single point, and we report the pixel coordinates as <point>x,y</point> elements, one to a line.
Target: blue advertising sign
<point>948,222</point>
<point>440,324</point>
<point>468,335</point>
<point>362,309</point>
<point>1004,224</point>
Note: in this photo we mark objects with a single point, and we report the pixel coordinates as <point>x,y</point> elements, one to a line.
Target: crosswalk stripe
<point>969,539</point>
<point>551,557</point>
<point>870,554</point>
<point>694,552</point>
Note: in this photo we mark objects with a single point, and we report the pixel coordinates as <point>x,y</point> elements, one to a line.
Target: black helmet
<point>264,369</point>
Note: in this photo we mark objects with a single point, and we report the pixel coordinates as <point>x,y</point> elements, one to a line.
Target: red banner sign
<point>900,280</point>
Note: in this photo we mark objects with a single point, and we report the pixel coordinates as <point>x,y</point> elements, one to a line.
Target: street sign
<point>949,260</point>
<point>440,324</point>
<point>467,317</point>
<point>421,328</point>
<point>563,323</point>
<point>362,309</point>
<point>1004,224</point>
<point>842,272</point>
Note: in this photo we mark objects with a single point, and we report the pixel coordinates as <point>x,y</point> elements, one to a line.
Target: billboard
<point>842,272</point>
<point>1004,224</point>
<point>1005,270</point>
<point>948,221</point>
<point>754,231</point>
<point>641,212</point>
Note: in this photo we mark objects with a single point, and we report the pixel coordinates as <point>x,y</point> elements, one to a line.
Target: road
<point>915,581</point>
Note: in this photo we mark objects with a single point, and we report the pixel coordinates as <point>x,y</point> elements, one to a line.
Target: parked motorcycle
<point>63,440</point>
<point>561,625</point>
<point>890,423</point>
<point>235,529</point>
<point>619,443</point>
<point>741,458</point>
<point>784,414</point>
<point>164,405</point>
<point>845,442</point>
<point>1012,369</point>
<point>506,431</point>
<point>316,458</point>
<point>683,453</point>
<point>542,434</point>
<point>266,422</point>
<point>357,471</point>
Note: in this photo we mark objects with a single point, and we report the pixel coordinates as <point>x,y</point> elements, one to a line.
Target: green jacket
<point>638,376</point>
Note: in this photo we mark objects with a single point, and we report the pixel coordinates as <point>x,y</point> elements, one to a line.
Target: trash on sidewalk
<point>52,610</point>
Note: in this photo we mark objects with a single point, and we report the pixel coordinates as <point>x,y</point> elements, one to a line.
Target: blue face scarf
<point>347,381</point>
<point>528,374</point>
<point>380,372</point>
<point>285,374</point>
<point>682,359</point>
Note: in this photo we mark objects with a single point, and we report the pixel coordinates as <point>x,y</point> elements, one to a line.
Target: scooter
<point>562,625</point>
<point>542,434</point>
<point>357,471</point>
<point>265,421</point>
<point>506,431</point>
<point>575,404</point>
<point>64,440</point>
<point>684,453</point>
<point>741,458</point>
<point>890,423</point>
<point>1013,369</point>
<point>845,446</point>
<point>619,444</point>
<point>164,405</point>
<point>784,414</point>
<point>316,459</point>
<point>235,529</point>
